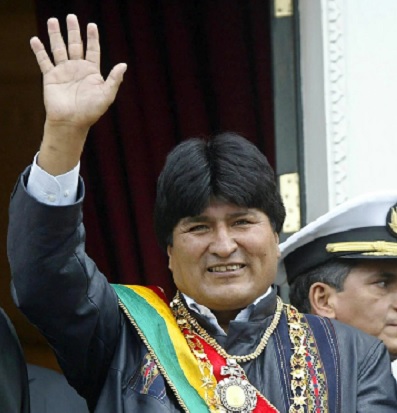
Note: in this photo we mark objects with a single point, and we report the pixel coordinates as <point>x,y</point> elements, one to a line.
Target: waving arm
<point>75,93</point>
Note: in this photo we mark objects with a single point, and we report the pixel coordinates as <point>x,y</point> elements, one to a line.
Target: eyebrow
<point>205,218</point>
<point>388,274</point>
<point>384,274</point>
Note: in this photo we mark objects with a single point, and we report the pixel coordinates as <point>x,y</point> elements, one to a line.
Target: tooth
<point>224,268</point>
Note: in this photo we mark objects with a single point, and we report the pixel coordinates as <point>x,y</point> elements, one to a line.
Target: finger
<point>42,58</point>
<point>58,47</point>
<point>114,80</point>
<point>93,53</point>
<point>75,45</point>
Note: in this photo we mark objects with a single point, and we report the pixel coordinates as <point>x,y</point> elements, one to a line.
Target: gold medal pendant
<point>235,392</point>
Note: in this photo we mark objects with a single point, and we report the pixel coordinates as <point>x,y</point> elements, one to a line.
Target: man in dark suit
<point>30,388</point>
<point>51,393</point>
<point>343,265</point>
<point>14,387</point>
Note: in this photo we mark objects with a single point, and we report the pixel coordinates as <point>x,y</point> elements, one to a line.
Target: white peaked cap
<point>364,227</point>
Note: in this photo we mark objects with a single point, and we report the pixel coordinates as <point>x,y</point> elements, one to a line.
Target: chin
<point>218,302</point>
<point>231,302</point>
<point>393,353</point>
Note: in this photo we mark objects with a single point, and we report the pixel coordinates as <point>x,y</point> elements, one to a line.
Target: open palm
<point>74,89</point>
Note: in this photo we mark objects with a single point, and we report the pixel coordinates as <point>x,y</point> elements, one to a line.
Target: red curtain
<point>195,68</point>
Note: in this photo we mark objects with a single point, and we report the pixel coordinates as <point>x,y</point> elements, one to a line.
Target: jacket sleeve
<point>60,289</point>
<point>376,385</point>
<point>367,384</point>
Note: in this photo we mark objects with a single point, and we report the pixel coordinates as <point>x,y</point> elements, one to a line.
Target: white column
<point>349,94</point>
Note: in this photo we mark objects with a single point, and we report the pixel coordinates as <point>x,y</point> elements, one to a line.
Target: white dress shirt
<point>53,190</point>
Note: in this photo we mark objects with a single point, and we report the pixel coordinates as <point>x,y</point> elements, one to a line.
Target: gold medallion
<point>235,396</point>
<point>235,393</point>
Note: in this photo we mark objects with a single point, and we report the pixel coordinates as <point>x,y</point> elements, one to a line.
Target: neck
<point>224,317</point>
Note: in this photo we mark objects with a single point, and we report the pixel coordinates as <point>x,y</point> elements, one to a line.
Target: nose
<point>223,243</point>
<point>394,300</point>
<point>393,297</point>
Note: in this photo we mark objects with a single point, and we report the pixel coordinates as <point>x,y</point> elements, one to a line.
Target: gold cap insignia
<point>392,221</point>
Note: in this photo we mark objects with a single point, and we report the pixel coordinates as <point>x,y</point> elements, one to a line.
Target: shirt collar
<point>207,314</point>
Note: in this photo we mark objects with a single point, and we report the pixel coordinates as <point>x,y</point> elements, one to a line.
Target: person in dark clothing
<point>51,393</point>
<point>343,265</point>
<point>31,388</point>
<point>226,342</point>
<point>14,386</point>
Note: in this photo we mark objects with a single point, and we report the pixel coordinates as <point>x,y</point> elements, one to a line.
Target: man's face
<point>369,300</point>
<point>224,258</point>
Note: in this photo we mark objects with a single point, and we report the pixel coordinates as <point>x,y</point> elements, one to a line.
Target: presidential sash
<point>192,382</point>
<point>203,380</point>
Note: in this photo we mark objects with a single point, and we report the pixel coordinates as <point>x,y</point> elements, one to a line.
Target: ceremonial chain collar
<point>182,315</point>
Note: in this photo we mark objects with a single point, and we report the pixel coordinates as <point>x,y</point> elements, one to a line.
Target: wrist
<point>61,147</point>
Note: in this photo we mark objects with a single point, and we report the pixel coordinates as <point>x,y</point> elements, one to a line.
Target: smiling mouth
<point>226,268</point>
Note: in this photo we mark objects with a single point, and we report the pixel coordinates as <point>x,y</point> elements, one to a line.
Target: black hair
<point>226,167</point>
<point>333,273</point>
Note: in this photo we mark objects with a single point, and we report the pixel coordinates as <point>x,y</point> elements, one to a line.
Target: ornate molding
<point>336,88</point>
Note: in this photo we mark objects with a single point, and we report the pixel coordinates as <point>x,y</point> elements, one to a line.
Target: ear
<point>169,253</point>
<point>277,238</point>
<point>321,298</point>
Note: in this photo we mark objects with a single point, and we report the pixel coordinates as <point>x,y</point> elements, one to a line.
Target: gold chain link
<point>182,316</point>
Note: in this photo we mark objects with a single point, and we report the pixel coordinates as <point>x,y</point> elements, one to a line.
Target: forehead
<point>374,267</point>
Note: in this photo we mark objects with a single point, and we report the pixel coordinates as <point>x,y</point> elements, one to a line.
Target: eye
<point>382,284</point>
<point>198,228</point>
<point>242,221</point>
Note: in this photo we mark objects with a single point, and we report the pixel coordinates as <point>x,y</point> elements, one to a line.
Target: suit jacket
<point>61,290</point>
<point>14,387</point>
<point>51,393</point>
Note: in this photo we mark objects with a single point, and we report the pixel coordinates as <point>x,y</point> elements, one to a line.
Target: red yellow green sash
<point>154,321</point>
<point>150,314</point>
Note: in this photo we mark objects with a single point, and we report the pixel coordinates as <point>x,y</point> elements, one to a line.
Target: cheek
<point>264,255</point>
<point>185,254</point>
<point>349,309</point>
<point>261,246</point>
<point>270,250</point>
<point>361,312</point>
<point>348,305</point>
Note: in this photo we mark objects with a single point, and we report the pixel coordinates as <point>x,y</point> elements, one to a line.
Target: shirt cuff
<point>53,190</point>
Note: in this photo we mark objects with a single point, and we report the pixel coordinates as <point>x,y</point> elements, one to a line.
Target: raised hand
<point>74,90</point>
<point>75,93</point>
